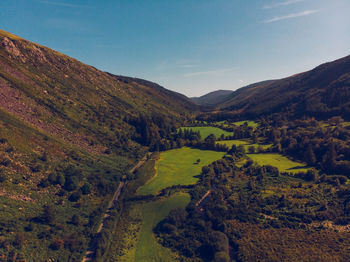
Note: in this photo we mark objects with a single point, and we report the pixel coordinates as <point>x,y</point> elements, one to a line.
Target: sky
<point>189,46</point>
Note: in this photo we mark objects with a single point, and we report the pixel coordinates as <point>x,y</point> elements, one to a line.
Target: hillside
<point>67,98</point>
<point>213,98</point>
<point>68,134</point>
<point>322,92</point>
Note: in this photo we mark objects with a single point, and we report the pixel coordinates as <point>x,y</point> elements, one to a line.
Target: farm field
<point>246,144</point>
<point>250,123</point>
<point>239,123</point>
<point>147,248</point>
<point>281,162</point>
<point>178,167</point>
<point>205,131</point>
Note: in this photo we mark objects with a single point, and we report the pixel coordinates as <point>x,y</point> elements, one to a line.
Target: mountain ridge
<point>212,98</point>
<point>322,92</point>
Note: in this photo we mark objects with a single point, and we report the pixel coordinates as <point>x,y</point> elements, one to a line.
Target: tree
<point>221,257</point>
<point>329,161</point>
<point>86,189</point>
<point>75,196</point>
<point>60,180</point>
<point>71,183</point>
<point>49,214</point>
<point>76,220</point>
<point>310,157</point>
<point>251,149</point>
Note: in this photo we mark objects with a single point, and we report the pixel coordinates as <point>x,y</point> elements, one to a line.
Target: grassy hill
<point>322,92</point>
<point>213,98</point>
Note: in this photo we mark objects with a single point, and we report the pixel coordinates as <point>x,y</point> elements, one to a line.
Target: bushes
<point>71,183</point>
<point>49,215</point>
<point>57,244</point>
<point>221,257</point>
<point>2,176</point>
<point>74,197</point>
<point>86,189</point>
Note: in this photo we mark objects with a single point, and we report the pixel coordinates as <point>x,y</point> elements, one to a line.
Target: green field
<point>281,162</point>
<point>239,123</point>
<point>246,144</point>
<point>250,123</point>
<point>178,167</point>
<point>208,130</point>
<point>147,248</point>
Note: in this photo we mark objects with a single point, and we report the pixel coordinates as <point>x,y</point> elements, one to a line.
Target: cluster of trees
<point>238,193</point>
<point>325,147</point>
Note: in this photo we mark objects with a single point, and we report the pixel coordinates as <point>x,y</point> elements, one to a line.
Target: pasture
<point>147,248</point>
<point>281,162</point>
<point>178,167</point>
<point>205,131</point>
<point>245,143</point>
<point>249,123</point>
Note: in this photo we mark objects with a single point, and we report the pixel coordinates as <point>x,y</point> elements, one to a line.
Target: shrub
<point>86,189</point>
<point>75,220</point>
<point>52,178</point>
<point>75,196</point>
<point>221,257</point>
<point>57,244</point>
<point>49,215</point>
<point>2,177</point>
<point>44,183</point>
<point>71,183</point>
<point>60,180</point>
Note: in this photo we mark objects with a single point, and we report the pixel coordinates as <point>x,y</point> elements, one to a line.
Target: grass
<point>205,131</point>
<point>245,143</point>
<point>148,249</point>
<point>178,167</point>
<point>281,162</point>
<point>250,123</point>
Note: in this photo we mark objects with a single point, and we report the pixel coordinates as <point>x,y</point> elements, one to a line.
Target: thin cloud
<point>187,66</point>
<point>59,4</point>
<point>288,2</point>
<point>290,16</point>
<point>211,72</point>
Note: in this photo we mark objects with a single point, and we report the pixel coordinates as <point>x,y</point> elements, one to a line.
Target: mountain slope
<point>68,134</point>
<point>66,98</point>
<point>213,98</point>
<point>321,92</point>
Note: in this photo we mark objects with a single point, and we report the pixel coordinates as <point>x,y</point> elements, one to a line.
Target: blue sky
<point>190,46</point>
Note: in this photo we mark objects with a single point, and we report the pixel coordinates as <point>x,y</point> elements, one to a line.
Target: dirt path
<point>90,253</point>
<point>203,197</point>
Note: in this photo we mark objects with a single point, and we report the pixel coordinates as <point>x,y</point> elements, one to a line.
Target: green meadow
<point>281,162</point>
<point>238,123</point>
<point>178,167</point>
<point>147,248</point>
<point>246,144</point>
<point>250,123</point>
<point>205,131</point>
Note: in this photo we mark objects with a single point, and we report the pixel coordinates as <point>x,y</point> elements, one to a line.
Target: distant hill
<point>213,98</point>
<point>322,92</point>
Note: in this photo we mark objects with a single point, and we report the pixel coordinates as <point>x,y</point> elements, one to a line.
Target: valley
<point>130,171</point>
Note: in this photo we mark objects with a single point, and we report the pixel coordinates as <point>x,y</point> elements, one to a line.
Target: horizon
<point>188,47</point>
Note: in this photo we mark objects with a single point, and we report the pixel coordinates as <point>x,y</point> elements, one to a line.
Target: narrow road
<point>91,252</point>
<point>202,199</point>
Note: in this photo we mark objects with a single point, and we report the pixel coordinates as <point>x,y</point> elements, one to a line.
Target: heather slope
<point>74,101</point>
